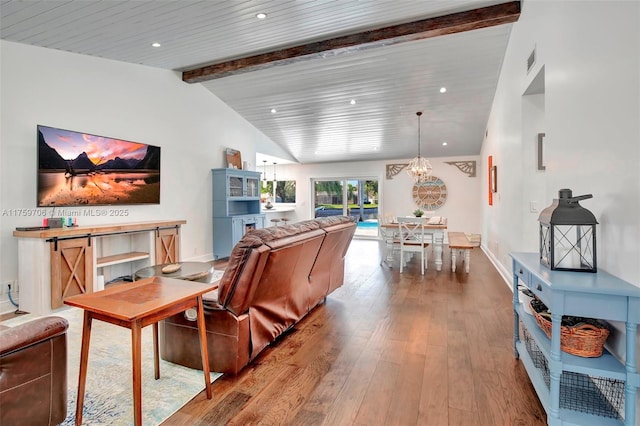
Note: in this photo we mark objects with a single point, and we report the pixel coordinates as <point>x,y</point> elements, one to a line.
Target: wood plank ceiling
<point>355,104</point>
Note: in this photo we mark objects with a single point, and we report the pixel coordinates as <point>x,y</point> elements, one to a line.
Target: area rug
<point>108,392</point>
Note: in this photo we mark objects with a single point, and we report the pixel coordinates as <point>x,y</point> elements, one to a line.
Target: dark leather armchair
<point>33,372</point>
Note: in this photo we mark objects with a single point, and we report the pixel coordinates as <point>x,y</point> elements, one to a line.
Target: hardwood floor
<point>387,349</point>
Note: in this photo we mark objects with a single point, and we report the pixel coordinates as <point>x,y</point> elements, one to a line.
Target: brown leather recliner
<point>275,276</point>
<point>33,372</point>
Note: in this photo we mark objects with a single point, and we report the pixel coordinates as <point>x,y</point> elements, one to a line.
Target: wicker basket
<point>585,339</point>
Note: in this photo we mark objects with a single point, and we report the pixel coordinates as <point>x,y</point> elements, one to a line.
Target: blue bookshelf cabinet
<point>577,390</point>
<point>236,208</point>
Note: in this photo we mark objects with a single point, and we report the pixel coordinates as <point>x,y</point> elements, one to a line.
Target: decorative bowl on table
<point>171,268</point>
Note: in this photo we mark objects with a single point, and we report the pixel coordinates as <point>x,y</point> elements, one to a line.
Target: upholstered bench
<point>458,241</point>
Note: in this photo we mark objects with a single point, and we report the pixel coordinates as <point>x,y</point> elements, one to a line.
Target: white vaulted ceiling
<point>315,120</point>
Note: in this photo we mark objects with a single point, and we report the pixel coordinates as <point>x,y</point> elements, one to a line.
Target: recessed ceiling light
<point>353,102</point>
<point>155,44</point>
<point>443,89</point>
<point>273,110</point>
<point>444,144</point>
<point>261,15</point>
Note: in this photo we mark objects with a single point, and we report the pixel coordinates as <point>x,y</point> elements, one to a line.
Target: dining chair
<point>389,240</point>
<point>413,239</point>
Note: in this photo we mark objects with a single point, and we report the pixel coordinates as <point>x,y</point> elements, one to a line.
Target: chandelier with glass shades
<point>419,168</point>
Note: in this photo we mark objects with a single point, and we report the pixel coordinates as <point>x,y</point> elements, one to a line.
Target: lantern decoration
<point>568,234</point>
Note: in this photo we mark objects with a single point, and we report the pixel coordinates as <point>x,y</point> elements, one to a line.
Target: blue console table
<point>576,390</point>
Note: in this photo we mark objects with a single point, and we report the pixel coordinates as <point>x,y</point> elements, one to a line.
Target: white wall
<point>589,112</point>
<point>461,208</point>
<point>115,99</point>
<point>590,117</point>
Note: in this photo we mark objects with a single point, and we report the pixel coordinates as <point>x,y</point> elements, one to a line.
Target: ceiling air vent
<point>531,60</point>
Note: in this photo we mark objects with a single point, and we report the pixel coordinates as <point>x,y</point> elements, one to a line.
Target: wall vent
<point>531,60</point>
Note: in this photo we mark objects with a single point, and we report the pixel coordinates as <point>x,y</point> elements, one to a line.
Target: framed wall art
<point>489,167</point>
<point>493,179</point>
<point>234,159</point>
<point>541,151</point>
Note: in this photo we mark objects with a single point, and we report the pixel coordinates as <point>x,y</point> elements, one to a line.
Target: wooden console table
<point>57,263</point>
<point>574,390</point>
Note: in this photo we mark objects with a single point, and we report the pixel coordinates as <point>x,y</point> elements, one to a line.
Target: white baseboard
<point>504,273</point>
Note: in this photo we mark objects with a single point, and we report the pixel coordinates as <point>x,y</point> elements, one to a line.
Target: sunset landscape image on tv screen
<point>76,169</point>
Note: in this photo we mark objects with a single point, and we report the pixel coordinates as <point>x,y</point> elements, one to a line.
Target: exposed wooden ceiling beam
<point>426,28</point>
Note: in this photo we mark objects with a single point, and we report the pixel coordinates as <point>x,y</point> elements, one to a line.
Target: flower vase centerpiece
<point>418,213</point>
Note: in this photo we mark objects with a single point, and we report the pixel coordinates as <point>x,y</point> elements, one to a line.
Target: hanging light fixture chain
<point>419,168</point>
<point>419,114</point>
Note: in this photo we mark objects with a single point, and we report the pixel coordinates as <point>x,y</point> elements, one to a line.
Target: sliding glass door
<point>329,198</point>
<point>356,197</point>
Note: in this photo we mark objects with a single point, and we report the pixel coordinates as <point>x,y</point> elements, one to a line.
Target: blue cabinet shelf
<point>576,390</point>
<point>236,208</point>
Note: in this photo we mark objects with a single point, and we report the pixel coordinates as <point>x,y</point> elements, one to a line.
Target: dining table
<point>436,228</point>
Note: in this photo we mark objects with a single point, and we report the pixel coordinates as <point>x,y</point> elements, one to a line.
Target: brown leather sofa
<point>274,278</point>
<point>33,372</point>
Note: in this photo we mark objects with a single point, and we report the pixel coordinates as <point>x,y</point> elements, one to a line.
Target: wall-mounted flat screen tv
<point>79,169</point>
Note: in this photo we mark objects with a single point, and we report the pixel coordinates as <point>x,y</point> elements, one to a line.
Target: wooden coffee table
<point>135,306</point>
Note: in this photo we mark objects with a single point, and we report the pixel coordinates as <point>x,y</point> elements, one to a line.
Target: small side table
<point>190,271</point>
<point>135,306</point>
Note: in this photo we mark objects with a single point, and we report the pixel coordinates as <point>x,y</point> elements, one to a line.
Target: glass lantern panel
<point>573,247</point>
<point>545,244</point>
